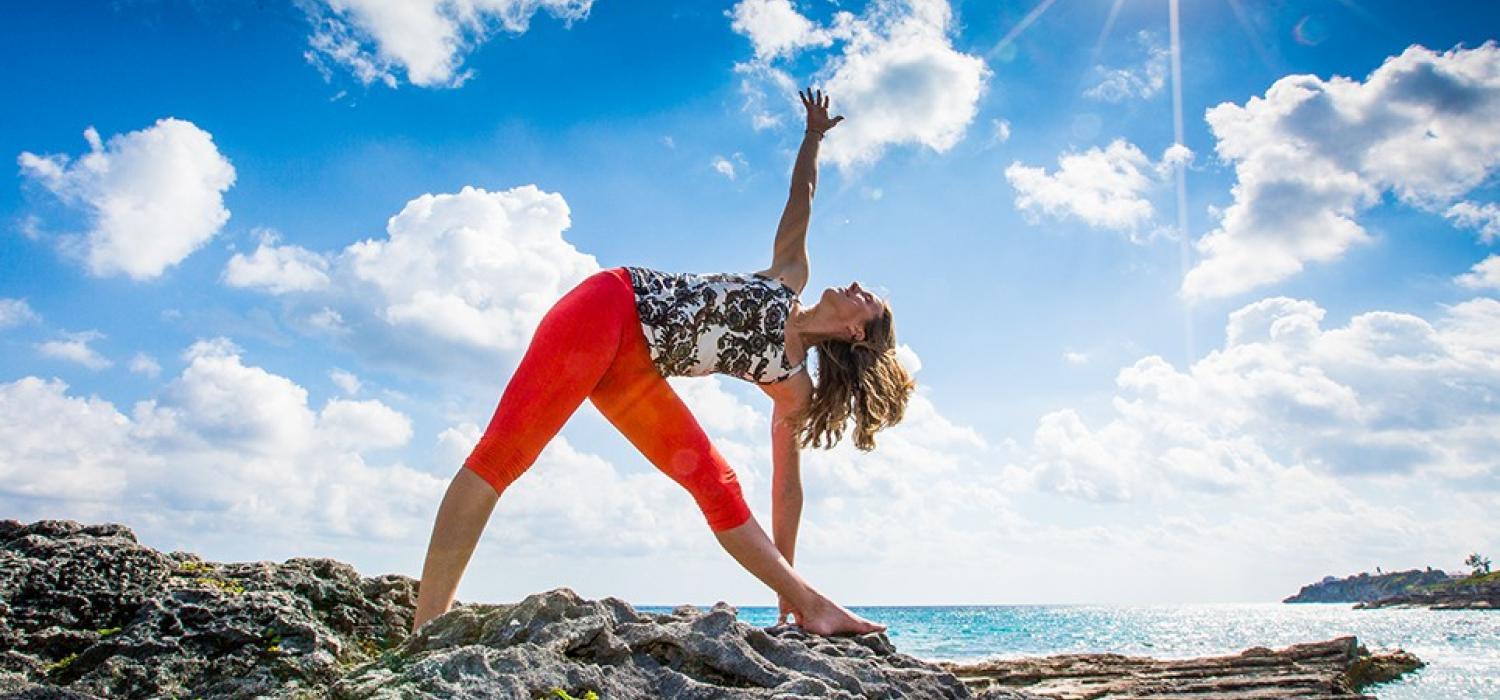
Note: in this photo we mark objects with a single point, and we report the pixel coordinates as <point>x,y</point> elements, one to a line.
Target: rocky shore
<point>89,612</point>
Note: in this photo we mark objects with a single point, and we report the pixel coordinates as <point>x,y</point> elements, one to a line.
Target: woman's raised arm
<point>789,254</point>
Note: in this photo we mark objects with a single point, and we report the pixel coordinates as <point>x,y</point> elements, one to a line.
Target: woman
<point>617,335</point>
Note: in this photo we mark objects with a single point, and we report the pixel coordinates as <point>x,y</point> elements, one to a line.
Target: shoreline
<point>88,611</point>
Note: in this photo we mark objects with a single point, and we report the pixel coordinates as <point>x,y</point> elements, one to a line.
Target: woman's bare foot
<point>829,619</point>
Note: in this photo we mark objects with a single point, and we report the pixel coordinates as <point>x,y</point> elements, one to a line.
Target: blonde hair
<point>861,379</point>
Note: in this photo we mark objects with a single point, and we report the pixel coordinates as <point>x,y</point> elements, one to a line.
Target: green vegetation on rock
<point>587,695</point>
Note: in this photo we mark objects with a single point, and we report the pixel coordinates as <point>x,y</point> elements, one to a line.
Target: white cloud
<point>153,196</point>
<point>277,269</point>
<point>58,446</point>
<point>14,312</point>
<point>908,358</point>
<point>475,268</point>
<point>225,447</point>
<point>456,279</point>
<point>1312,154</point>
<point>1484,274</point>
<point>1075,358</point>
<point>1001,129</point>
<point>366,424</point>
<point>776,28</point>
<point>1386,394</point>
<point>425,39</point>
<point>1102,187</point>
<point>756,79</point>
<point>1483,217</point>
<point>345,381</point>
<point>145,365</point>
<point>1143,81</point>
<point>723,167</point>
<point>730,167</point>
<point>76,349</point>
<point>328,321</point>
<point>897,75</point>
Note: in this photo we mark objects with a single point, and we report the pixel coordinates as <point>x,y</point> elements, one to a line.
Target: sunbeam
<point>1021,26</point>
<point>1109,23</point>
<point>1177,135</point>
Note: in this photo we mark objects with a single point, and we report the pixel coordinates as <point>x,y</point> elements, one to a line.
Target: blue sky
<point>268,315</point>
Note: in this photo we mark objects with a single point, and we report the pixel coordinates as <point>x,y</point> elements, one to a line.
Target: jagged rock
<point>557,639</point>
<point>89,612</point>
<point>1338,668</point>
<point>92,610</point>
<point>1363,587</point>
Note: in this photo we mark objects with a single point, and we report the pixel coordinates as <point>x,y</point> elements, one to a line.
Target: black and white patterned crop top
<point>726,322</point>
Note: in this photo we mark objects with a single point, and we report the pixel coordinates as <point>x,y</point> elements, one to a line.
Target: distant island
<point>1424,588</point>
<point>1365,587</point>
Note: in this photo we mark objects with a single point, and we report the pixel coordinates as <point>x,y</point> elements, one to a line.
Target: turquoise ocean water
<point>1461,648</point>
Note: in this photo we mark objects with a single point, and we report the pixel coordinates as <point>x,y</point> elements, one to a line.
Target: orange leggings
<point>590,343</point>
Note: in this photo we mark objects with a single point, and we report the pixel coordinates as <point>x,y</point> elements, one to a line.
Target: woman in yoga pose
<point>615,337</point>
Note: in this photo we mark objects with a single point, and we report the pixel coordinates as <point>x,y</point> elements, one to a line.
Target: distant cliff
<point>1364,587</point>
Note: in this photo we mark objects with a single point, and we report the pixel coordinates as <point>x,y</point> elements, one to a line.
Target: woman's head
<point>858,375</point>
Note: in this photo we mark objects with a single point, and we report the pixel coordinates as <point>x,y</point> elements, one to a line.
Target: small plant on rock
<point>587,695</point>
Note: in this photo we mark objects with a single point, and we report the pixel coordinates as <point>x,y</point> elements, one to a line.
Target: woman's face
<point>853,304</point>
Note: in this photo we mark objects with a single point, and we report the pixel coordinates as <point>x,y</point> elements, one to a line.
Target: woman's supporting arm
<point>461,519</point>
<point>786,484</point>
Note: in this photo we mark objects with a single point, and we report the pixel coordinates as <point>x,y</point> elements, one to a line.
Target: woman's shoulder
<point>786,278</point>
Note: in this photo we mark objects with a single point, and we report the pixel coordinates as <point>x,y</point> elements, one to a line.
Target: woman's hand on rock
<point>786,608</point>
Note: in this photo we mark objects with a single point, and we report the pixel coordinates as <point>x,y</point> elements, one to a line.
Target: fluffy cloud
<point>224,446</point>
<point>57,446</point>
<point>365,424</point>
<point>426,39</point>
<point>1386,394</point>
<point>1102,187</point>
<point>1484,218</point>
<point>144,364</point>
<point>896,69</point>
<point>153,196</point>
<point>456,279</point>
<point>1484,274</point>
<point>346,381</point>
<point>14,312</point>
<point>76,349</point>
<point>775,28</point>
<point>277,269</point>
<point>1312,154</point>
<point>1145,80</point>
<point>474,268</point>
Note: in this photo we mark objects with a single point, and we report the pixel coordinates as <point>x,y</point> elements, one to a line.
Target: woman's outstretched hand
<point>817,110</point>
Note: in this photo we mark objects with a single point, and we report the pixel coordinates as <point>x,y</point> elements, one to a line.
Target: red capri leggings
<point>590,344</point>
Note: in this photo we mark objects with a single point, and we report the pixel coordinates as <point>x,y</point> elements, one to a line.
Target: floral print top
<point>719,322</point>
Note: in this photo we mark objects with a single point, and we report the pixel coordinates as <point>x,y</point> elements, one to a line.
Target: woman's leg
<point>571,348</point>
<point>634,397</point>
